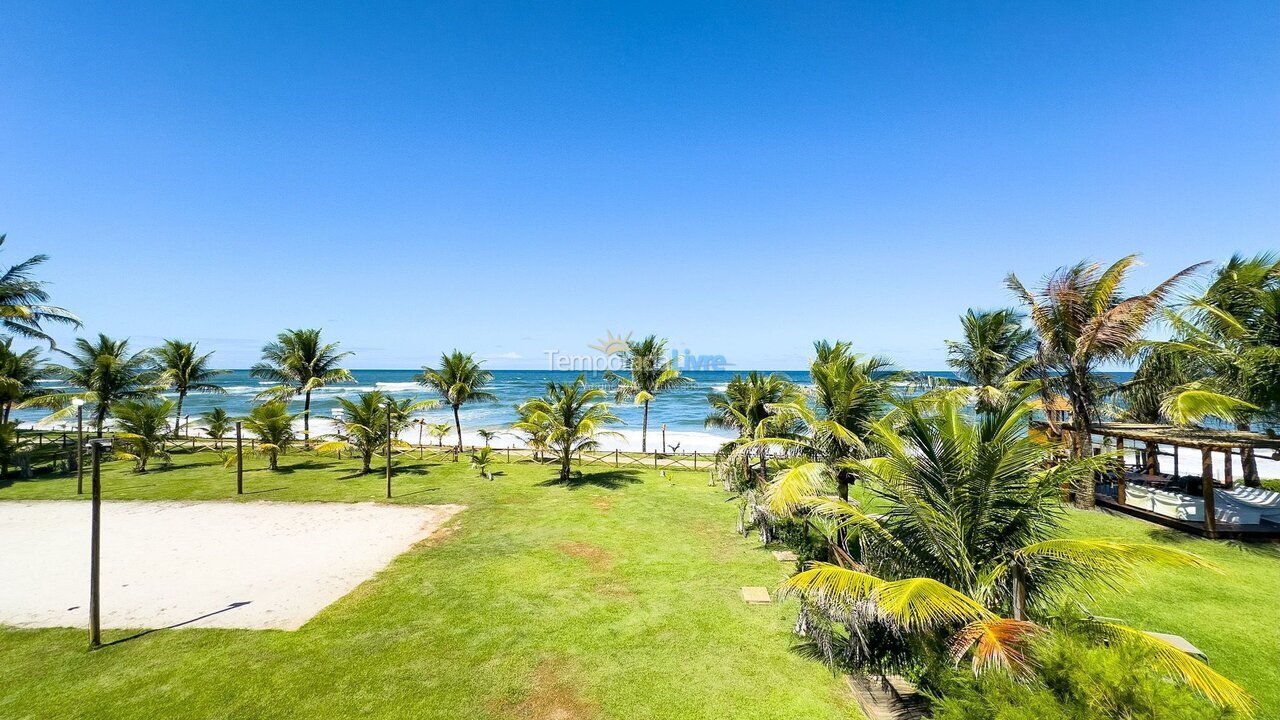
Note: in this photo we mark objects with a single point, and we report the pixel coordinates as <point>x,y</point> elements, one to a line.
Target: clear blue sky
<point>740,177</point>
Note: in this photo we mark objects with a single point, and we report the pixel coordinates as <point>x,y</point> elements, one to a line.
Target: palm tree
<point>995,352</point>
<point>964,552</point>
<point>299,362</point>
<point>362,430</point>
<point>21,374</point>
<point>143,426</point>
<point>481,459</point>
<point>487,435</point>
<point>217,424</point>
<point>1227,341</point>
<point>571,416</point>
<point>459,380</point>
<point>273,426</point>
<point>748,403</point>
<point>106,373</point>
<point>1082,320</point>
<point>650,372</point>
<point>184,370</point>
<point>23,302</point>
<point>438,431</point>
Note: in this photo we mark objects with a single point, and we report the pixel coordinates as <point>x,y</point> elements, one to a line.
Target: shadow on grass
<point>397,496</point>
<point>274,489</point>
<point>144,633</point>
<point>609,480</point>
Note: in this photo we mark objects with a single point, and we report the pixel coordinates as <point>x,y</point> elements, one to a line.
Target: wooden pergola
<point>1206,440</point>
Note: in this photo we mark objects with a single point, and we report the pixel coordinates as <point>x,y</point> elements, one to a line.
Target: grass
<point>1231,615</point>
<point>613,597</point>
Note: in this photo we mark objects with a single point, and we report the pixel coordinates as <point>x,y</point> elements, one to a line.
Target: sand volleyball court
<point>252,565</point>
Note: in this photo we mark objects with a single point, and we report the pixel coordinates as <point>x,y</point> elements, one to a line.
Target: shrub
<point>1074,680</point>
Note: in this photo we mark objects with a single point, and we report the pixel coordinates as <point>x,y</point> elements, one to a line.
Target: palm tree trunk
<point>306,421</point>
<point>366,462</point>
<point>457,424</point>
<point>1249,461</point>
<point>177,418</point>
<point>1080,408</point>
<point>644,428</point>
<point>1019,591</point>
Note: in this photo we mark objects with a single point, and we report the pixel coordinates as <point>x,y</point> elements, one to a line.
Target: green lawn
<point>613,598</point>
<point>1232,615</point>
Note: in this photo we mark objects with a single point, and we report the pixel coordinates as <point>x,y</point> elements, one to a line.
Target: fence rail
<point>696,460</point>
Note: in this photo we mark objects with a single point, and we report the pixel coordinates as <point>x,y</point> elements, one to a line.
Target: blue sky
<point>509,179</point>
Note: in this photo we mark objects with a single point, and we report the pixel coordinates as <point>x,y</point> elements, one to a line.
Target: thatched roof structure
<point>1190,437</point>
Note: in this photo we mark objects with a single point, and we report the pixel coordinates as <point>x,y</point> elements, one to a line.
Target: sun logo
<point>611,345</point>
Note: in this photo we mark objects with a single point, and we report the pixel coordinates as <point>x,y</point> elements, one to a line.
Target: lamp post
<point>79,405</point>
<point>95,540</point>
<point>390,405</point>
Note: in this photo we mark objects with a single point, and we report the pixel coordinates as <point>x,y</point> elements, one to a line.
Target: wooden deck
<point>1224,531</point>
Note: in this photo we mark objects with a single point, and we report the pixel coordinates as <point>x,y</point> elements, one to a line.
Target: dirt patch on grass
<point>598,558</point>
<point>553,696</point>
<point>602,503</point>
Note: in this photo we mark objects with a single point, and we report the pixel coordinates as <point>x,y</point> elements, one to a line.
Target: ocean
<point>682,410</point>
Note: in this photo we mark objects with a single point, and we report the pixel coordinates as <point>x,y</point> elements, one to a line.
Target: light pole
<point>79,405</point>
<point>390,405</point>
<point>95,540</point>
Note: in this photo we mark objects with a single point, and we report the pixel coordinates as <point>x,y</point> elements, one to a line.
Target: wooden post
<point>95,548</point>
<point>80,449</point>
<point>239,460</point>
<point>1120,449</point>
<point>1206,489</point>
<point>615,457</point>
<point>655,461</point>
<point>1175,461</point>
<point>695,459</point>
<point>1228,472</point>
<point>389,449</point>
<point>1121,479</point>
<point>508,454</point>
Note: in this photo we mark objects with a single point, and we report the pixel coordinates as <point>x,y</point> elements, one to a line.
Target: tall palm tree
<point>299,362</point>
<point>24,302</point>
<point>363,431</point>
<point>994,353</point>
<point>649,372</point>
<point>571,416</point>
<point>21,377</point>
<point>272,424</point>
<point>459,380</point>
<point>1082,320</point>
<point>964,554</point>
<point>143,426</point>
<point>106,373</point>
<point>183,369</point>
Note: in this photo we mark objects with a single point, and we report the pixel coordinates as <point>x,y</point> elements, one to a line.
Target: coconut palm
<point>184,370</point>
<point>300,363</point>
<point>1082,320</point>
<point>272,424</point>
<point>106,373</point>
<point>487,436</point>
<point>481,459</point>
<point>964,553</point>
<point>1227,340</point>
<point>748,404</point>
<point>141,429</point>
<point>21,375</point>
<point>534,428</point>
<point>649,372</point>
<point>216,425</point>
<point>438,431</point>
<point>995,353</point>
<point>571,416</point>
<point>459,380</point>
<point>24,302</point>
<point>362,430</point>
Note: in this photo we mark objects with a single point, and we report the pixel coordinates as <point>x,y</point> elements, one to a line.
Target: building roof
<point>1192,437</point>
